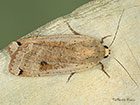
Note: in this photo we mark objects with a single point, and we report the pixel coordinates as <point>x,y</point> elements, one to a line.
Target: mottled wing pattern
<point>58,54</point>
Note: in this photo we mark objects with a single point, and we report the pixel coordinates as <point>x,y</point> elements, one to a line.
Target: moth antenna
<point>132,53</point>
<point>126,71</point>
<point>117,29</point>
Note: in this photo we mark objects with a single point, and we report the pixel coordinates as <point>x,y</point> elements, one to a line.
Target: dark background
<point>19,17</point>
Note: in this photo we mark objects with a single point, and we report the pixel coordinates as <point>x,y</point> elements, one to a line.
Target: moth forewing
<point>58,54</point>
<point>12,48</point>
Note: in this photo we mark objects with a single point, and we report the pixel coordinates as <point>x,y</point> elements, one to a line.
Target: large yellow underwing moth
<point>57,54</point>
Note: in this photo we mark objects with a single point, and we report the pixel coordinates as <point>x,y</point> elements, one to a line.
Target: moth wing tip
<point>12,47</point>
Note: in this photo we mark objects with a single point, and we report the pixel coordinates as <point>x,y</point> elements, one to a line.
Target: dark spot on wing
<point>43,63</point>
<point>96,46</point>
<point>19,43</point>
<point>20,72</point>
<point>96,56</point>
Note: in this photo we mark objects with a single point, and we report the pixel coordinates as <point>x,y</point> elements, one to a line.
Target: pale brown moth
<point>58,54</point>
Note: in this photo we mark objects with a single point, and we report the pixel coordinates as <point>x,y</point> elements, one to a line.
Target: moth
<point>57,54</point>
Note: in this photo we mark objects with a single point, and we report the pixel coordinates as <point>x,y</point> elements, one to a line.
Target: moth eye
<point>20,72</point>
<point>19,43</point>
<point>105,56</point>
<point>43,63</point>
<point>105,46</point>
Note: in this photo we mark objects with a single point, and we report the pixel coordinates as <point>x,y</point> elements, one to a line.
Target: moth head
<point>107,51</point>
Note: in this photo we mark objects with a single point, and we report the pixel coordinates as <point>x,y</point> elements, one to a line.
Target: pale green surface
<point>19,17</point>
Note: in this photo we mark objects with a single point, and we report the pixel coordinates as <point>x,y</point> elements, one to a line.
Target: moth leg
<point>76,33</point>
<point>102,67</point>
<point>102,40</point>
<point>70,76</point>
